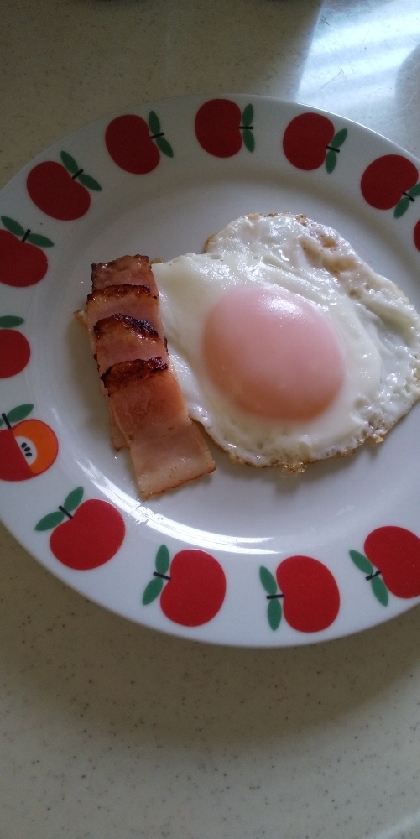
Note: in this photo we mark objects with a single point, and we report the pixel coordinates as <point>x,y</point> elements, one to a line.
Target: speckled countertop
<point>110,730</point>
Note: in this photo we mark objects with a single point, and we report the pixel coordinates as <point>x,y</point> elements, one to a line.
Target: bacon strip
<point>127,270</point>
<point>147,411</point>
<point>166,448</point>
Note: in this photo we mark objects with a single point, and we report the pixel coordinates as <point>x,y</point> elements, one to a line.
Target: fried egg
<point>287,346</point>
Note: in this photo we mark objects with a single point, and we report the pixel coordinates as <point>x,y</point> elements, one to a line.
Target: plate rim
<point>194,100</point>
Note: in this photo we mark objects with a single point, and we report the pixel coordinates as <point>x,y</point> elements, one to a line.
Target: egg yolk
<point>273,353</point>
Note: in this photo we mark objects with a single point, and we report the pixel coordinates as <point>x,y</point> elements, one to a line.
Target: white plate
<point>239,519</point>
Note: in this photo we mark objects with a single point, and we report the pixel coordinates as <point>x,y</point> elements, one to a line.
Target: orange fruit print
<point>27,447</point>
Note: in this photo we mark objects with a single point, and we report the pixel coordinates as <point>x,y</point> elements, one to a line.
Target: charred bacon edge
<point>142,327</point>
<point>124,373</point>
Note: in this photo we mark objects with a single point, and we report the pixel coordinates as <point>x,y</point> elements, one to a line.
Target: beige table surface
<point>112,731</point>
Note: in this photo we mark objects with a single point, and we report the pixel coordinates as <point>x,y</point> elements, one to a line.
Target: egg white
<point>378,329</point>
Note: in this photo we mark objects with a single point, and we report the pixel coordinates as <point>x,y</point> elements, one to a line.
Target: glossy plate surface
<point>202,562</point>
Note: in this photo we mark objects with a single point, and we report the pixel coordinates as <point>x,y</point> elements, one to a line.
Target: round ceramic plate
<point>244,556</point>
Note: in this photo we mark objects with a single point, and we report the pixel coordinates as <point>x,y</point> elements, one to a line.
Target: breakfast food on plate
<point>146,409</point>
<point>284,344</point>
<point>287,346</point>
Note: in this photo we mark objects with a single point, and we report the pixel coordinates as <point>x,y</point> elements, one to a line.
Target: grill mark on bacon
<point>135,301</point>
<point>120,291</point>
<point>127,322</point>
<point>124,338</point>
<point>126,373</point>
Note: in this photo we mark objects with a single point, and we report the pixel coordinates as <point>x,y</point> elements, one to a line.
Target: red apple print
<point>135,145</point>
<point>195,586</point>
<point>390,181</point>
<point>22,262</point>
<point>220,127</point>
<point>391,562</point>
<point>14,347</point>
<point>61,189</point>
<point>310,594</point>
<point>310,139</point>
<point>416,235</point>
<point>87,539</point>
<point>27,448</point>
